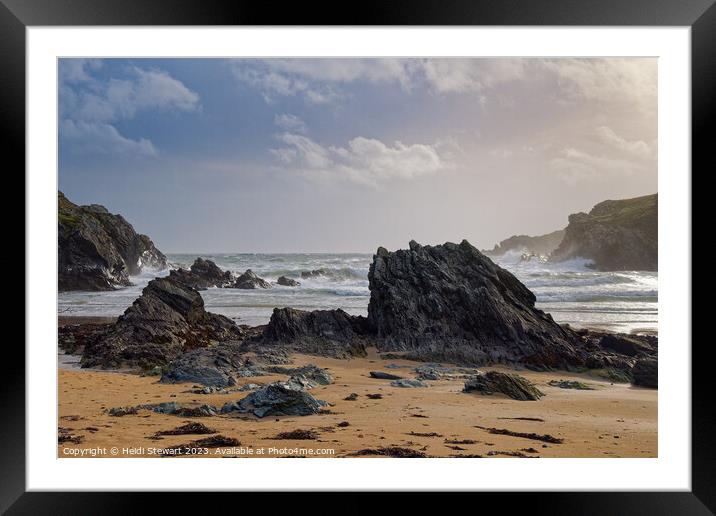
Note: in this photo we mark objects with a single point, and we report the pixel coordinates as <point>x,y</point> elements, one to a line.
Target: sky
<point>345,155</point>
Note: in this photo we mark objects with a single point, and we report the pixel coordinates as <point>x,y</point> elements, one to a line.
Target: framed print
<point>452,234</point>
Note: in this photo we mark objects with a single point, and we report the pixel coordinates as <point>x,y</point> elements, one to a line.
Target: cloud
<point>290,122</point>
<point>637,148</point>
<point>471,75</point>
<point>91,105</point>
<point>575,166</point>
<point>363,160</point>
<point>627,81</point>
<point>101,138</point>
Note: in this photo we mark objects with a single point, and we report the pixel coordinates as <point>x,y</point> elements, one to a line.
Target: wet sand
<point>613,420</point>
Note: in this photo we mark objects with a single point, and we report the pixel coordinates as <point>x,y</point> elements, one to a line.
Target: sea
<point>571,291</point>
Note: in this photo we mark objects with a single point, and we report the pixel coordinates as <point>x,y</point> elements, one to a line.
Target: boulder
<point>408,383</point>
<point>288,282</point>
<point>450,303</point>
<point>98,250</point>
<point>511,385</point>
<point>249,280</point>
<point>203,274</point>
<point>168,319</point>
<point>214,366</point>
<point>380,375</point>
<point>331,333</point>
<point>626,345</point>
<point>276,399</point>
<point>646,373</point>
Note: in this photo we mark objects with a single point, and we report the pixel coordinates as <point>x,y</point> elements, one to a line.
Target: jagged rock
<point>310,373</point>
<point>203,274</point>
<point>288,282</point>
<point>626,345</point>
<point>331,333</point>
<point>511,385</point>
<point>177,409</point>
<point>167,320</point>
<point>615,235</point>
<point>276,399</point>
<point>98,250</point>
<point>380,375</point>
<point>406,382</point>
<point>314,273</point>
<point>646,373</point>
<point>450,303</point>
<point>215,366</point>
<point>249,280</point>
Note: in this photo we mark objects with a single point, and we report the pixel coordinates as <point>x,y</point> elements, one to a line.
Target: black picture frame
<point>700,15</point>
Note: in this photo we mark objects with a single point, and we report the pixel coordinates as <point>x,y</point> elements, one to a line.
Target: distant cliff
<point>615,235</point>
<point>98,250</point>
<point>541,245</point>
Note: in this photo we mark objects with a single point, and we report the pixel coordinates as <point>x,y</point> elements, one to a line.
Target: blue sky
<point>344,155</point>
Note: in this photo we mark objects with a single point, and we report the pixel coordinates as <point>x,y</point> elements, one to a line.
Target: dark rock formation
<point>380,375</point>
<point>203,274</point>
<point>626,345</point>
<point>331,333</point>
<point>407,382</point>
<point>73,337</point>
<point>249,280</point>
<point>511,385</point>
<point>451,303</point>
<point>98,250</point>
<point>615,235</point>
<point>276,399</point>
<point>646,373</point>
<point>538,245</point>
<point>215,366</point>
<point>288,282</point>
<point>167,320</point>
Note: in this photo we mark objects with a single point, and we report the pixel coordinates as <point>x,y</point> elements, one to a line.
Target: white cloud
<point>575,166</point>
<point>631,81</point>
<point>101,138</point>
<point>89,105</point>
<point>289,122</point>
<point>637,148</point>
<point>471,75</point>
<point>363,160</point>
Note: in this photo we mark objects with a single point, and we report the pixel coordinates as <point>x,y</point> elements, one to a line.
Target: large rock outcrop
<point>451,303</point>
<point>249,280</point>
<point>615,235</point>
<point>203,274</point>
<point>542,245</point>
<point>331,333</point>
<point>98,250</point>
<point>167,320</point>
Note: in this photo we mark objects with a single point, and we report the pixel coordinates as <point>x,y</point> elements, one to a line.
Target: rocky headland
<point>98,250</point>
<point>614,235</point>
<point>542,245</point>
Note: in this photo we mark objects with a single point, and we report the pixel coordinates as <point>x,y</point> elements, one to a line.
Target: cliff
<point>98,250</point>
<point>615,235</point>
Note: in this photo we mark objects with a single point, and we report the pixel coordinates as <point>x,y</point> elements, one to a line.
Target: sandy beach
<point>612,420</point>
